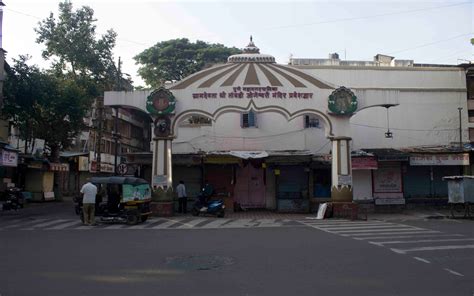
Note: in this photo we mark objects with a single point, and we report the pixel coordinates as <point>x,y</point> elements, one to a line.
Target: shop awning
<point>241,154</point>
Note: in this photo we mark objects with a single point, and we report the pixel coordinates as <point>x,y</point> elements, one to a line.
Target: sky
<point>434,32</point>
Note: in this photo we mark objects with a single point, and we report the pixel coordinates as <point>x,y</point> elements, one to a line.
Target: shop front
<point>423,177</point>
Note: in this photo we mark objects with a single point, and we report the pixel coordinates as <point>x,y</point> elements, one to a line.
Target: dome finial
<point>251,39</point>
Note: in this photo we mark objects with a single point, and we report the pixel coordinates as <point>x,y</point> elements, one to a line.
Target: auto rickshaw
<point>120,199</point>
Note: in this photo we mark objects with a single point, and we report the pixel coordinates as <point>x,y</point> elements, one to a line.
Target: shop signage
<point>364,163</point>
<point>268,92</point>
<point>388,179</point>
<point>390,201</point>
<point>160,181</point>
<point>83,164</point>
<point>392,157</point>
<point>9,158</point>
<point>59,167</point>
<point>439,159</point>
<point>344,180</point>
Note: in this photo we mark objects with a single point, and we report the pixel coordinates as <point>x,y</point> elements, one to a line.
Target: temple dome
<point>251,54</point>
<point>250,68</point>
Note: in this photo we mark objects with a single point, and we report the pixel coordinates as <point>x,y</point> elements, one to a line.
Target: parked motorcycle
<point>13,199</point>
<point>213,207</point>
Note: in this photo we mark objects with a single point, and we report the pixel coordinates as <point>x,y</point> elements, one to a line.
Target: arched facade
<point>253,82</point>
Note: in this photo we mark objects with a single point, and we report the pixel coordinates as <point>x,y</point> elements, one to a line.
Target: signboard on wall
<point>160,181</point>
<point>439,159</point>
<point>83,164</point>
<point>364,163</point>
<point>9,158</point>
<point>388,179</point>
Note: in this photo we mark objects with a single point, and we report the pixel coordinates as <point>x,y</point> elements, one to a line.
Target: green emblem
<point>342,101</point>
<point>160,101</point>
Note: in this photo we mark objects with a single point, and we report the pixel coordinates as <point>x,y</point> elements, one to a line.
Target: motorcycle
<point>13,199</point>
<point>213,207</point>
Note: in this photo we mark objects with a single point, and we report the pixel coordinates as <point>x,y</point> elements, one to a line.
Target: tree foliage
<point>44,105</point>
<point>70,42</point>
<point>175,59</point>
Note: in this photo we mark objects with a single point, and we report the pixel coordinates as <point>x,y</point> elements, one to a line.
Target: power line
<point>406,129</point>
<point>431,43</point>
<point>367,16</point>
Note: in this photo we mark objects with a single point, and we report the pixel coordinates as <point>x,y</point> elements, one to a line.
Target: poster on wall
<point>9,158</point>
<point>388,179</point>
<point>139,192</point>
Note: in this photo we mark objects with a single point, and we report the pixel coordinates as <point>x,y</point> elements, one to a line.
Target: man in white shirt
<point>89,192</point>
<point>182,197</point>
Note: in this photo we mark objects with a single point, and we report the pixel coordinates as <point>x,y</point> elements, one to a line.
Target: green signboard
<point>139,192</point>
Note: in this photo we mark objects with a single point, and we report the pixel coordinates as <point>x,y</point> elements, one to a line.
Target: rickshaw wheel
<point>143,218</point>
<point>458,210</point>
<point>132,219</point>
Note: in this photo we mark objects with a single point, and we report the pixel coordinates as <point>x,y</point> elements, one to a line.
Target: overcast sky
<point>426,32</point>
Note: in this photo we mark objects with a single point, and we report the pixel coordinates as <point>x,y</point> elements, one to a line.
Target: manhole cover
<point>195,262</point>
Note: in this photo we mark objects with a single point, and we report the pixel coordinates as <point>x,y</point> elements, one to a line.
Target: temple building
<point>287,137</point>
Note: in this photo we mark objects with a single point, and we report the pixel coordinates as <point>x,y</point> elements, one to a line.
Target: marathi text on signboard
<point>388,179</point>
<point>268,92</point>
<point>364,163</point>
<point>440,159</point>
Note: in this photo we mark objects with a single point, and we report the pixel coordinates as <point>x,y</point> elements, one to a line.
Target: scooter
<point>214,207</point>
<point>13,199</point>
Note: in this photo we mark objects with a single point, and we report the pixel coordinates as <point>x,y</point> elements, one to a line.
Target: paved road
<point>55,255</point>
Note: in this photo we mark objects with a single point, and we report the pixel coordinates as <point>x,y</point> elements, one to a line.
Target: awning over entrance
<point>242,154</point>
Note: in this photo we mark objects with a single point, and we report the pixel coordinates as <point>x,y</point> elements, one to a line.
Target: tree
<point>71,43</point>
<point>175,59</point>
<point>44,105</point>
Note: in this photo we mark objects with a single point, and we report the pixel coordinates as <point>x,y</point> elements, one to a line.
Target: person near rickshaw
<point>182,197</point>
<point>89,192</point>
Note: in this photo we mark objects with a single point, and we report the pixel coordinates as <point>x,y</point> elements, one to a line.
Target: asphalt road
<point>40,255</point>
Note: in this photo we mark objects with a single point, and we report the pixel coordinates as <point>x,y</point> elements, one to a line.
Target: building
<point>281,136</point>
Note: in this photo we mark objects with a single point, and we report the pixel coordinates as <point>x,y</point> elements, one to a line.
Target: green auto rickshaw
<point>120,199</point>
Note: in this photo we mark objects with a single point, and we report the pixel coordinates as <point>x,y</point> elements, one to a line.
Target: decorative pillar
<point>162,164</point>
<point>161,104</point>
<point>341,190</point>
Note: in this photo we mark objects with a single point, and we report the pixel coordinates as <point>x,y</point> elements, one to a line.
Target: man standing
<point>182,197</point>
<point>89,192</point>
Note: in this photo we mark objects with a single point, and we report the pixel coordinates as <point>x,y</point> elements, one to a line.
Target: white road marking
<point>424,241</point>
<point>192,223</point>
<point>215,224</point>
<point>422,260</point>
<point>360,227</point>
<point>165,225</point>
<point>49,223</point>
<point>359,231</point>
<point>408,236</point>
<point>435,248</point>
<point>24,224</point>
<point>453,272</point>
<point>368,235</point>
<point>64,225</point>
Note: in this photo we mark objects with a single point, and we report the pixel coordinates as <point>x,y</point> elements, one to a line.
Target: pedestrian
<point>182,198</point>
<point>89,192</point>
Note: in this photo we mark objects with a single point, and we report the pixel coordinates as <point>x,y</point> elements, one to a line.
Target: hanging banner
<point>439,159</point>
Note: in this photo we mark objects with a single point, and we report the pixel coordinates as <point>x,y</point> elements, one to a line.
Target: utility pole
<point>116,137</point>
<point>460,129</point>
<point>100,109</point>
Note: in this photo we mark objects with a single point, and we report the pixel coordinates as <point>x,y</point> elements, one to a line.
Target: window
<point>471,135</point>
<point>249,120</point>
<point>311,121</point>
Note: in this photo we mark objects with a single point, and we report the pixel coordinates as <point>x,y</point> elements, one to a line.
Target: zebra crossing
<point>399,238</point>
<point>52,224</point>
